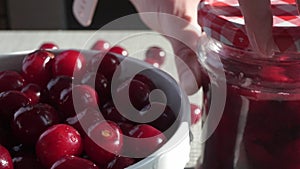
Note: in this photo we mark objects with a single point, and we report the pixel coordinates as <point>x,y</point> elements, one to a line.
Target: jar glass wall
<point>251,108</point>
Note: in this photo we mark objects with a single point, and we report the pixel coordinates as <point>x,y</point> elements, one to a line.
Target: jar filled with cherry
<point>251,103</point>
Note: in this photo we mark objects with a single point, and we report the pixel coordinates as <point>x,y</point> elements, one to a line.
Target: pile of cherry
<point>40,128</point>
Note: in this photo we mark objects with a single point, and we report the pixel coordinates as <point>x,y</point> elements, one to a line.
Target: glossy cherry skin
<point>149,139</point>
<point>56,142</point>
<point>10,102</point>
<point>11,80</point>
<point>144,79</point>
<point>104,142</point>
<point>196,113</point>
<point>69,63</point>
<point>104,64</point>
<point>165,119</point>
<point>5,159</point>
<point>36,67</point>
<point>101,45</point>
<point>138,93</point>
<point>33,92</point>
<point>31,121</point>
<point>111,113</point>
<point>57,87</point>
<point>84,119</point>
<point>119,50</point>
<point>152,62</point>
<point>100,83</point>
<point>120,163</point>
<point>48,45</point>
<point>73,162</point>
<point>77,99</point>
<point>156,54</point>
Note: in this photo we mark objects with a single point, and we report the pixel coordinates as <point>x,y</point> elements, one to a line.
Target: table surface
<point>135,42</point>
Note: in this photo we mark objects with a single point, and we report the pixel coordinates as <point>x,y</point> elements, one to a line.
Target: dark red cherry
<point>156,55</point>
<point>144,79</point>
<point>5,159</point>
<point>165,119</point>
<point>33,92</point>
<point>118,50</point>
<point>48,45</point>
<point>100,83</point>
<point>84,119</point>
<point>26,160</point>
<point>120,162</point>
<point>73,162</point>
<point>69,63</point>
<point>57,87</point>
<point>10,102</point>
<point>148,140</point>
<point>77,99</point>
<point>56,142</point>
<point>195,113</point>
<point>137,91</point>
<point>105,65</point>
<point>101,45</point>
<point>111,113</point>
<point>31,121</point>
<point>36,67</point>
<point>104,140</point>
<point>11,80</point>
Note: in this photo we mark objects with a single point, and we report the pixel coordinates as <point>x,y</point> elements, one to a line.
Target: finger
<point>259,23</point>
<point>188,67</point>
<point>298,5</point>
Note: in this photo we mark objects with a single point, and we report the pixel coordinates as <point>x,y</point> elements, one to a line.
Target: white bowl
<point>174,154</point>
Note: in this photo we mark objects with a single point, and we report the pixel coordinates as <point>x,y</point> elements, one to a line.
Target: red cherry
<point>5,159</point>
<point>69,63</point>
<point>101,45</point>
<point>11,80</point>
<point>156,54</point>
<point>111,113</point>
<point>48,45</point>
<point>37,67</point>
<point>100,83</point>
<point>165,119</point>
<point>195,113</point>
<point>120,163</point>
<point>77,99</point>
<point>83,120</point>
<point>33,92</point>
<point>56,142</point>
<point>144,79</point>
<point>31,121</point>
<point>119,50</point>
<point>73,162</point>
<point>104,140</point>
<point>138,93</point>
<point>149,140</point>
<point>152,62</point>
<point>105,65</point>
<point>10,102</point>
<point>26,160</point>
<point>57,87</point>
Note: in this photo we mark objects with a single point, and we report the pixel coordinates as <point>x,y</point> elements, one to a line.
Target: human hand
<point>258,19</point>
<point>177,21</point>
<point>259,22</point>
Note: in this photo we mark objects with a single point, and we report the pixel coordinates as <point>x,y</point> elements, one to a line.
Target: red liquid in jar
<point>260,124</point>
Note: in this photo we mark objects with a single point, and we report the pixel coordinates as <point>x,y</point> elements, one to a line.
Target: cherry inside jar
<point>251,112</point>
<point>251,103</point>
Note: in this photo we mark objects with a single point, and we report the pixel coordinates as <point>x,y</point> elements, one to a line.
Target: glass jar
<point>251,105</point>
